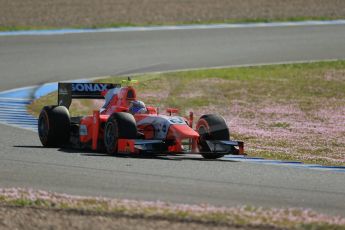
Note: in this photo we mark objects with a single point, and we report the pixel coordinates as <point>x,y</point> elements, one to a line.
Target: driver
<point>137,107</point>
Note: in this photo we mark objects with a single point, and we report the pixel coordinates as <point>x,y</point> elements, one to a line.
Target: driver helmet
<point>137,107</point>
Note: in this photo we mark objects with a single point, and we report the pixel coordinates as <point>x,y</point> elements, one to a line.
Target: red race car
<point>125,125</point>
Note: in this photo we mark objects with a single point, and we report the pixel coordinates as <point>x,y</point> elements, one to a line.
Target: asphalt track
<point>29,60</point>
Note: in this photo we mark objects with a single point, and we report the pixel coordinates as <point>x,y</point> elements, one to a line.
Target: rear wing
<point>69,91</point>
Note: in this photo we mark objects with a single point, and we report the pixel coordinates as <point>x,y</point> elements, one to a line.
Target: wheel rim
<point>203,137</point>
<point>43,128</point>
<point>110,136</point>
<point>202,133</point>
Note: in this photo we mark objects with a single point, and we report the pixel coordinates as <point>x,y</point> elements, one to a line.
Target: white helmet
<point>137,107</point>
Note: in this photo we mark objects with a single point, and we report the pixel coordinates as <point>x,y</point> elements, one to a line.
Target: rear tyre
<point>211,127</point>
<point>54,126</point>
<point>119,125</point>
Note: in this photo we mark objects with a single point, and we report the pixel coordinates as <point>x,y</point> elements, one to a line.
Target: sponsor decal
<point>95,120</point>
<point>128,147</point>
<point>82,130</point>
<point>88,87</point>
<point>176,120</point>
<point>63,91</point>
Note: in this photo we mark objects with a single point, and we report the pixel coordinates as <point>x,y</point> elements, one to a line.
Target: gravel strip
<point>12,217</point>
<point>243,217</point>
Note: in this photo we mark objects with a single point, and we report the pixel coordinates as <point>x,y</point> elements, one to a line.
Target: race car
<point>126,125</point>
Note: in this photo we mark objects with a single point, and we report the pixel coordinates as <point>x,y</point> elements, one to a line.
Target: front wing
<point>162,146</point>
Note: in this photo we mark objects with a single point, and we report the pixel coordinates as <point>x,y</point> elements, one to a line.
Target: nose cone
<point>183,131</point>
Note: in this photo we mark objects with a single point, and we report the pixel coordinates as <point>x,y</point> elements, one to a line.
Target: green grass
<point>118,25</point>
<point>290,112</point>
<point>280,125</point>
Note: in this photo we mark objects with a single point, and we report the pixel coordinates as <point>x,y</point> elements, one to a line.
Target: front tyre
<point>54,126</point>
<point>118,126</point>
<point>211,127</point>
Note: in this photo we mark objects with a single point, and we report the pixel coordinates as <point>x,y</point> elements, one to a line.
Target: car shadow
<point>29,146</point>
<point>153,156</point>
<point>168,157</point>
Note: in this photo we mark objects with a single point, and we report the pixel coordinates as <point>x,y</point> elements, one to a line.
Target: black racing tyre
<point>119,125</point>
<point>211,127</point>
<point>54,126</point>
